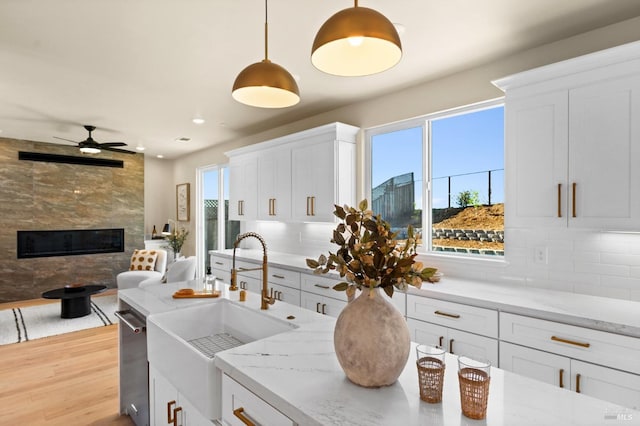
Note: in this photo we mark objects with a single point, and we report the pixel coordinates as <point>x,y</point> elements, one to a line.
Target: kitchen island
<point>297,372</point>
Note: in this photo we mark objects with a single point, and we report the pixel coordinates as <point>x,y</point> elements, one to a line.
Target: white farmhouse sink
<point>181,344</point>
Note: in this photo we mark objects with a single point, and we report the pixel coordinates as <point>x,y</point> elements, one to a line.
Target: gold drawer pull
<point>278,276</point>
<point>451,346</point>
<point>440,341</point>
<point>244,419</point>
<point>169,410</point>
<point>326,287</point>
<point>570,342</point>
<point>573,199</point>
<point>175,415</point>
<point>445,314</point>
<point>561,377</point>
<point>577,383</point>
<point>219,263</point>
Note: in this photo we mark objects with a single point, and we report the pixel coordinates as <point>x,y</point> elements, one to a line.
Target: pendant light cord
<point>266,32</point>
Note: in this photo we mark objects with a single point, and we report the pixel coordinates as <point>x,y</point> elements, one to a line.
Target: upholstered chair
<point>183,269</point>
<point>132,278</point>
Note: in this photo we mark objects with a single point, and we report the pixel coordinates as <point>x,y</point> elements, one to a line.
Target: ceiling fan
<point>90,146</point>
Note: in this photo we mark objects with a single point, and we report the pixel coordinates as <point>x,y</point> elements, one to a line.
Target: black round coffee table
<point>75,301</point>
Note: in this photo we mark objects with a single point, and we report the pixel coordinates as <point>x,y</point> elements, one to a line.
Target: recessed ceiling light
<point>182,139</point>
<point>140,148</point>
<point>198,120</point>
<point>160,156</point>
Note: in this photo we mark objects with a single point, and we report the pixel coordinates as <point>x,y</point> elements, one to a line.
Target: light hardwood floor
<point>70,379</point>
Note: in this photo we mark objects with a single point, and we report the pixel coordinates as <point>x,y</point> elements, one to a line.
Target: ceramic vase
<point>372,340</point>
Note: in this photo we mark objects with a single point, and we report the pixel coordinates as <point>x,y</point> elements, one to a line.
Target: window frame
<point>425,121</point>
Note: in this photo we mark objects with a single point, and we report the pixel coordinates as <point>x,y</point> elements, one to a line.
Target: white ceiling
<point>140,70</point>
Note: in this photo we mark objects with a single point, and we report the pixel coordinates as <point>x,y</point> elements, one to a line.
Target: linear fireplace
<point>69,242</point>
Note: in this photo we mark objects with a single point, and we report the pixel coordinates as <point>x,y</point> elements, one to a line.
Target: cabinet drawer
<point>218,262</point>
<point>599,347</point>
<point>242,267</point>
<point>463,317</point>
<point>238,401</point>
<point>284,277</point>
<point>223,275</point>
<point>286,294</point>
<point>322,286</point>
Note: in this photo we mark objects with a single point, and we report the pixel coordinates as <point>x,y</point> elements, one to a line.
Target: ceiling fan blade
<point>68,140</point>
<point>124,151</point>
<point>106,144</point>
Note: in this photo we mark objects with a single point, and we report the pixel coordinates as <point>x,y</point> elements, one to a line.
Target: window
<point>462,155</point>
<point>215,230</point>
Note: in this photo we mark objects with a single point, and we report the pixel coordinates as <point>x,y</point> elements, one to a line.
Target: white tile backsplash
<point>580,261</point>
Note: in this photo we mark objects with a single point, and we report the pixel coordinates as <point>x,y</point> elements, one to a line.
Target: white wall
<point>579,261</point>
<point>159,194</point>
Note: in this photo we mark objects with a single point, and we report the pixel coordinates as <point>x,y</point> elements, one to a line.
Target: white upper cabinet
<point>573,143</point>
<point>243,195</point>
<point>274,185</point>
<point>299,177</point>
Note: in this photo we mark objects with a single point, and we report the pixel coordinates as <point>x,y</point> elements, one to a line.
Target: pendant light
<point>355,42</point>
<point>266,84</point>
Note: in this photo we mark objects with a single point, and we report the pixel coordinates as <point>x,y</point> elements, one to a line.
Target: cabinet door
<point>313,182</point>
<point>286,294</point>
<point>606,384</point>
<point>243,180</point>
<point>604,145</point>
<point>426,333</point>
<point>322,305</point>
<point>472,346</point>
<point>251,284</point>
<point>240,407</point>
<point>163,398</point>
<point>274,185</point>
<point>549,368</point>
<point>536,148</point>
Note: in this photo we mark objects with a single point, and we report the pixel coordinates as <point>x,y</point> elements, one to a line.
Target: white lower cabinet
<point>454,341</point>
<point>597,363</point>
<point>242,407</point>
<point>457,328</point>
<point>322,304</point>
<point>594,380</point>
<point>168,406</point>
<point>285,294</point>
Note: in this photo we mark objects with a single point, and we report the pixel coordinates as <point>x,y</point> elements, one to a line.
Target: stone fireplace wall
<point>50,196</point>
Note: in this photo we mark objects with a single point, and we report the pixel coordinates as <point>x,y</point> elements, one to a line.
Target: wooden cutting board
<point>195,295</point>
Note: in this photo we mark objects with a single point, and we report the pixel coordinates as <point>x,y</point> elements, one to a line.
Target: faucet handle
<point>270,299</point>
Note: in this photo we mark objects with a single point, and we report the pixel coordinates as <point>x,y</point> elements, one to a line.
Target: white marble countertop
<point>298,373</point>
<point>600,313</point>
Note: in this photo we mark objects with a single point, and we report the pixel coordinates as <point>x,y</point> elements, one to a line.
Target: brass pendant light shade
<point>355,42</point>
<point>265,84</point>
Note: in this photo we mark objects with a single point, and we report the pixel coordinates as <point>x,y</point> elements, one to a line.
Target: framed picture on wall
<point>182,202</point>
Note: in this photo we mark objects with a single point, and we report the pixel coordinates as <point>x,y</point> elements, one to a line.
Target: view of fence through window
<point>212,213</point>
<point>467,181</point>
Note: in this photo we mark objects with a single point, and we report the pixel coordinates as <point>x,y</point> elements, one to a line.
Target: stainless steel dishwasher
<point>134,368</point>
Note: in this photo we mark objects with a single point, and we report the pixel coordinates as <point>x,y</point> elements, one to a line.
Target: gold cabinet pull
<point>308,206</point>
<point>440,341</point>
<point>169,411</point>
<point>175,415</point>
<point>313,206</point>
<point>573,199</point>
<point>570,342</point>
<point>562,377</point>
<point>577,383</point>
<point>445,314</point>
<point>326,287</point>
<point>559,200</point>
<point>278,276</point>
<point>318,307</point>
<point>324,305</point>
<point>451,346</point>
<point>239,413</point>
<point>219,263</point>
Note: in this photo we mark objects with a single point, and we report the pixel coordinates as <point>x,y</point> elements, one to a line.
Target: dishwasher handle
<point>131,321</point>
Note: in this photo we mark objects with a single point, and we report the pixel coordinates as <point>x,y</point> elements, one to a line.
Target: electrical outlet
<point>540,255</point>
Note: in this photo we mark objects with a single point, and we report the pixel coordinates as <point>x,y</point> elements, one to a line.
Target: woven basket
<point>474,392</point>
<point>430,379</point>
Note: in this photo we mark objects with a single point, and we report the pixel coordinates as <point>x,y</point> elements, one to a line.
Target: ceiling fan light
<point>89,150</point>
<point>355,42</point>
<point>266,85</point>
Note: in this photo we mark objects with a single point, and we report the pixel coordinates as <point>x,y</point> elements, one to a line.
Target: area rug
<point>34,322</point>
